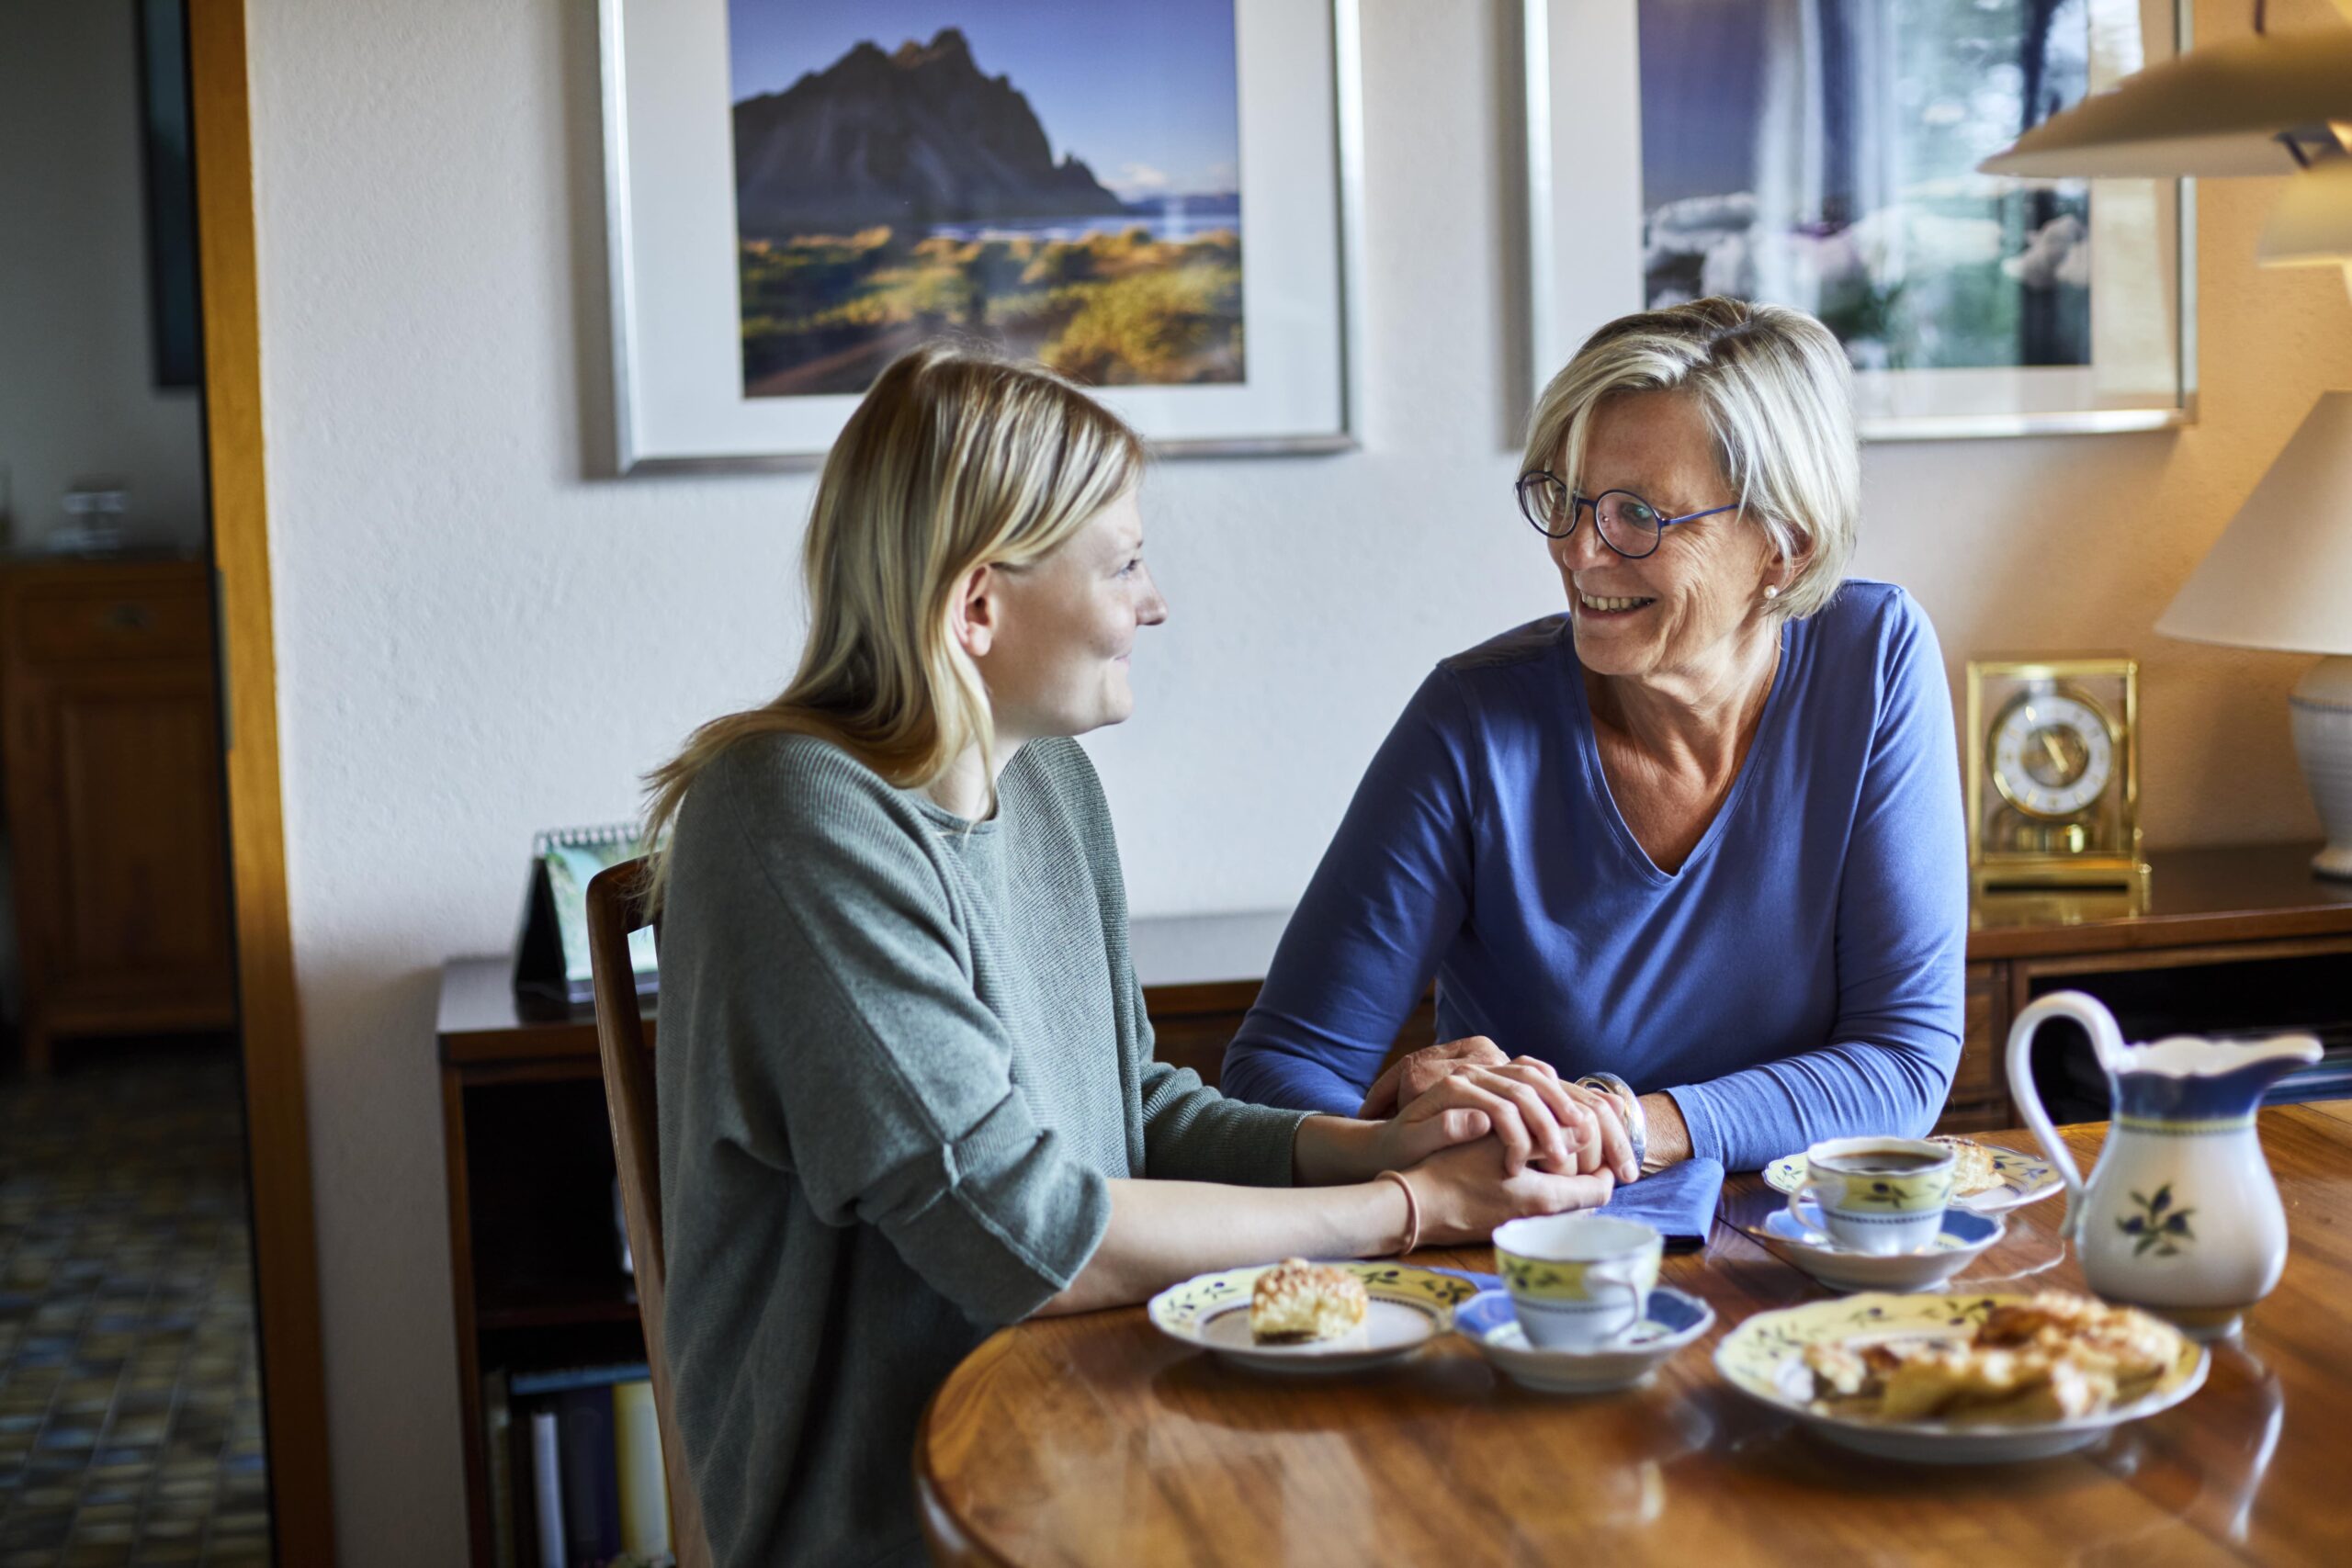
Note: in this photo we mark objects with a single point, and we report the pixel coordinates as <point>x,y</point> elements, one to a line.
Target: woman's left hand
<point>1417,1072</point>
<point>1536,1119</point>
<point>1605,1146</point>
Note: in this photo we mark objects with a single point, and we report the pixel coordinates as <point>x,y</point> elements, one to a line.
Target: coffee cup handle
<point>1632,1287</point>
<point>1816,1237</point>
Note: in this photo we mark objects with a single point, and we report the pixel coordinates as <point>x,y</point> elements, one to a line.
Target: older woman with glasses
<point>1694,846</point>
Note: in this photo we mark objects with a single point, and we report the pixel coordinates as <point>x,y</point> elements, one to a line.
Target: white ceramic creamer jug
<point>2180,1215</point>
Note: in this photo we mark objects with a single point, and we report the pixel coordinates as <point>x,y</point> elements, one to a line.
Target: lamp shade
<point>2215,110</point>
<point>2280,575</point>
<point>2312,225</point>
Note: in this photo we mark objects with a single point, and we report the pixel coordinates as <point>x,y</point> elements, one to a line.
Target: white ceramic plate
<point>1408,1307</point>
<point>1762,1358</point>
<point>1964,1236</point>
<point>1671,1321</point>
<point>2025,1178</point>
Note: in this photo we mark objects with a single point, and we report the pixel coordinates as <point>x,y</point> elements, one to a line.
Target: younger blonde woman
<point>906,1090</point>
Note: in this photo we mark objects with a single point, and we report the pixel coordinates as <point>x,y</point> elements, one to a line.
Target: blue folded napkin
<point>1680,1201</point>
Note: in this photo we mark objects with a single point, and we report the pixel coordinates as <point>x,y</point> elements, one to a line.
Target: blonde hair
<point>1777,396</point>
<point>953,460</point>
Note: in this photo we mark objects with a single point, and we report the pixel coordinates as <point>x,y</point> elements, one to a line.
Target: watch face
<point>2051,754</point>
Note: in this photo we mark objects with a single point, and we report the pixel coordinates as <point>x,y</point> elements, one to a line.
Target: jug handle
<point>2106,1039</point>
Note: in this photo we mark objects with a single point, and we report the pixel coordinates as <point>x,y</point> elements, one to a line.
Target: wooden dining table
<point>1096,1439</point>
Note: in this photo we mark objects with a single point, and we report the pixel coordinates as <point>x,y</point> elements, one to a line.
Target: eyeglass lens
<point>1544,501</point>
<point>1628,524</point>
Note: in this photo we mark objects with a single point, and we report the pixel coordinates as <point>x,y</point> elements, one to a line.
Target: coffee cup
<point>1578,1280</point>
<point>1875,1195</point>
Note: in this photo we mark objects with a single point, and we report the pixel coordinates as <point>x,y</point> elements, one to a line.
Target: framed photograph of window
<point>1822,153</point>
<point>170,194</point>
<point>1162,201</point>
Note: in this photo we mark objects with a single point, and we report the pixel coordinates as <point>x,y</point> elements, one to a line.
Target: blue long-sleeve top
<point>1798,977</point>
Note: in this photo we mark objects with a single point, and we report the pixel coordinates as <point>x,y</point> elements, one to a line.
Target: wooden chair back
<point>616,908</point>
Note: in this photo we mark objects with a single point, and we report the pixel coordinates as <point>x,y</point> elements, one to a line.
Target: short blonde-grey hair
<point>1776,391</point>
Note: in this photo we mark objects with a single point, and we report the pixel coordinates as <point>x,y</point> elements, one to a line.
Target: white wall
<point>478,639</point>
<point>77,380</point>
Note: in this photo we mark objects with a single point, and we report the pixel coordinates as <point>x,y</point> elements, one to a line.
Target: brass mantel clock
<point>2054,775</point>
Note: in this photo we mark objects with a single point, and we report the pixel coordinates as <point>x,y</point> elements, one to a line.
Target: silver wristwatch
<point>1637,1122</point>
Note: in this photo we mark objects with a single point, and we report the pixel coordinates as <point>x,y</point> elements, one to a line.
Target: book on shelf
<point>547,1488</point>
<point>498,1433</point>
<point>563,1380</point>
<point>591,1494</point>
<point>645,1494</point>
<point>599,1496</point>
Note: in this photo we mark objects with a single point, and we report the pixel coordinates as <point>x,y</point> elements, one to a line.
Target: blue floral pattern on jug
<point>2159,1226</point>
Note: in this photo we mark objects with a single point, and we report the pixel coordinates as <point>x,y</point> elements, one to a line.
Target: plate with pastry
<point>1800,1240</point>
<point>1297,1317</point>
<point>1962,1378</point>
<point>1986,1179</point>
<point>1670,1320</point>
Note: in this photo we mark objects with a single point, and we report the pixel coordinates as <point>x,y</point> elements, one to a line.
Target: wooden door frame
<point>277,1122</point>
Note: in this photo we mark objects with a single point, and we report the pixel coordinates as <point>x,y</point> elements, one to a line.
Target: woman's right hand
<point>1464,1192</point>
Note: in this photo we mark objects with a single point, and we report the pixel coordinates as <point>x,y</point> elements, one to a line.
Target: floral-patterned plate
<point>1763,1358</point>
<point>1408,1307</point>
<point>2025,1178</point>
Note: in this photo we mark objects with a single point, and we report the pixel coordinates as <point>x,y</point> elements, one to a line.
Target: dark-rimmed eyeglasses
<point>1628,524</point>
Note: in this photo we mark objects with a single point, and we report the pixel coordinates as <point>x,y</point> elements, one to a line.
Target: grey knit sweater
<point>900,1057</point>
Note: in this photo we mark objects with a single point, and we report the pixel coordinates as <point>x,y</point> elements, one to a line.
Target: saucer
<point>1843,1269</point>
<point>1671,1321</point>
<point>2024,1178</point>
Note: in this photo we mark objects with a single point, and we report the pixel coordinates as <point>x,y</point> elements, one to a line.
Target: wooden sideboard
<point>113,774</point>
<point>2239,938</point>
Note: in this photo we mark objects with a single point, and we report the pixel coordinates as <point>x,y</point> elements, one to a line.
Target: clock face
<point>2052,754</point>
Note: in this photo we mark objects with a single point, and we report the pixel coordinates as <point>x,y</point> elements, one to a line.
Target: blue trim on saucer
<point>1484,1312</point>
<point>1963,1227</point>
<point>1668,1309</point>
<point>1675,1311</point>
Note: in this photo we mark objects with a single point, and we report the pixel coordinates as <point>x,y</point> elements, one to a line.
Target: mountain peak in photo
<point>948,43</point>
<point>915,136</point>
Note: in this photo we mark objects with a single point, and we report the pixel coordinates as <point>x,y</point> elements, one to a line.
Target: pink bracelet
<point>1412,1212</point>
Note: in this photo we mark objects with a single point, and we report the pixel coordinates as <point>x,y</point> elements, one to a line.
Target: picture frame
<point>168,172</point>
<point>1905,259</point>
<point>552,961</point>
<point>686,324</point>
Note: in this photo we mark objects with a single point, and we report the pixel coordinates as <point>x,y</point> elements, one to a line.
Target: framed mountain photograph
<point>1822,153</point>
<point>1157,200</point>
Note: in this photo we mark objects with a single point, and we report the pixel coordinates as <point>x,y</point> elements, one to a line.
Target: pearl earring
<point>1771,591</point>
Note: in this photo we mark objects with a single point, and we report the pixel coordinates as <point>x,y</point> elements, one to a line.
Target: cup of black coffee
<point>1877,1195</point>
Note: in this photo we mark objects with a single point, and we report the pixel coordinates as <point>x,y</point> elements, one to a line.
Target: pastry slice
<point>2052,1390</point>
<point>1972,1166</point>
<point>1296,1301</point>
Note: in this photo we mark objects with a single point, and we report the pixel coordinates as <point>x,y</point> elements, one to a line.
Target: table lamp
<point>2280,577</point>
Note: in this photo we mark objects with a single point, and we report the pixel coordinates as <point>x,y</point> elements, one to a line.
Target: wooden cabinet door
<point>115,794</point>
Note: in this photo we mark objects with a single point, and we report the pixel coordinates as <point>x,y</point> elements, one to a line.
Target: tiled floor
<point>130,1404</point>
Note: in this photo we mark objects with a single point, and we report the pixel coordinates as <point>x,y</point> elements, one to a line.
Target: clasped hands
<point>1467,1089</point>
